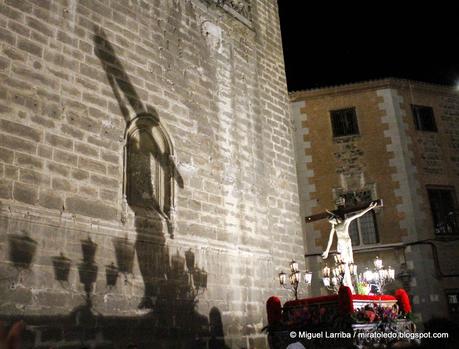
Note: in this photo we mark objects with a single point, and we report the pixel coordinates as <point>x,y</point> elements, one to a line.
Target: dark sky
<point>341,44</point>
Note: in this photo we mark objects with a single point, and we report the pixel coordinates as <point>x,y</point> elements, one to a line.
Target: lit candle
<point>391,273</point>
<point>378,262</point>
<point>353,269</point>
<point>367,275</point>
<point>326,271</point>
<point>294,266</point>
<point>297,277</point>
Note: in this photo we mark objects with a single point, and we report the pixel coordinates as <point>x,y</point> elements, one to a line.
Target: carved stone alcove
<point>353,195</point>
<point>149,184</point>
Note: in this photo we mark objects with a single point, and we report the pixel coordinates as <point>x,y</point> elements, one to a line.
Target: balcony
<point>448,225</point>
<point>240,9</point>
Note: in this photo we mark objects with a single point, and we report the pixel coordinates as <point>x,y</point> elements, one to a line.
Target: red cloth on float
<point>383,297</point>
<point>403,300</point>
<point>345,303</point>
<point>344,299</point>
<point>274,309</point>
<point>334,298</point>
<point>313,300</point>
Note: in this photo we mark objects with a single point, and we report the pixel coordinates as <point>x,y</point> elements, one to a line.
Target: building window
<point>424,119</point>
<point>344,122</point>
<point>363,230</point>
<point>443,206</point>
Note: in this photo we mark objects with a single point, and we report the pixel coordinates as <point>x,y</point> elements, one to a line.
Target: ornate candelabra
<point>332,278</point>
<point>294,278</point>
<point>370,281</point>
<point>379,277</point>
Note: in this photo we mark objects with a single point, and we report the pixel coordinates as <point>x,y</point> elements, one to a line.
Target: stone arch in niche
<point>149,184</point>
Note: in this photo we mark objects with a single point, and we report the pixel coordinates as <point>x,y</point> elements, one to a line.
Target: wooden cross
<point>342,211</point>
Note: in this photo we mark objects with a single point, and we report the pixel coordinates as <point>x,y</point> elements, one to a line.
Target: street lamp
<point>294,278</point>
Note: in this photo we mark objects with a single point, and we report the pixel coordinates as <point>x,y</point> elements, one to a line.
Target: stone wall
<point>160,126</point>
<point>433,154</point>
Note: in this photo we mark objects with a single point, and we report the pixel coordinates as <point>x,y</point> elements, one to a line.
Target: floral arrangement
<point>362,288</point>
<point>309,315</point>
<point>376,313</point>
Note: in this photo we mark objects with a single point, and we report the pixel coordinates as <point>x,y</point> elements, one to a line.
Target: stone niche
<point>149,187</point>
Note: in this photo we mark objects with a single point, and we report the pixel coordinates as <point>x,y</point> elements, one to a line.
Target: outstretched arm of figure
<point>330,240</point>
<point>360,214</point>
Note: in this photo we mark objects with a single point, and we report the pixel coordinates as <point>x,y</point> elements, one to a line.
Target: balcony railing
<point>241,9</point>
<point>448,225</point>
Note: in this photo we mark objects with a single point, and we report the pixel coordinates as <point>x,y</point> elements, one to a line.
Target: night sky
<point>342,44</point>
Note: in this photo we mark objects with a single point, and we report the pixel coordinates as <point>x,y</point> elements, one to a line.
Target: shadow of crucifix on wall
<point>150,175</point>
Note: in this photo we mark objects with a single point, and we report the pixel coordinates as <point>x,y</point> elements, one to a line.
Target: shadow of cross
<point>122,86</point>
<point>149,191</point>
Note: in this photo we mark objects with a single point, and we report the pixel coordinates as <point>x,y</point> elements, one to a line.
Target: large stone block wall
<point>205,85</point>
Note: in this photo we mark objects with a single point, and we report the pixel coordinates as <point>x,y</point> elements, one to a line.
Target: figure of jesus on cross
<point>340,227</point>
<point>340,222</point>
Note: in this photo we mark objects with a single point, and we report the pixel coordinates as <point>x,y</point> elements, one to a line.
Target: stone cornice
<point>371,85</point>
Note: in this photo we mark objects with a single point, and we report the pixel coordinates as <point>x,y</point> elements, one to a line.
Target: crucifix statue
<point>340,221</point>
